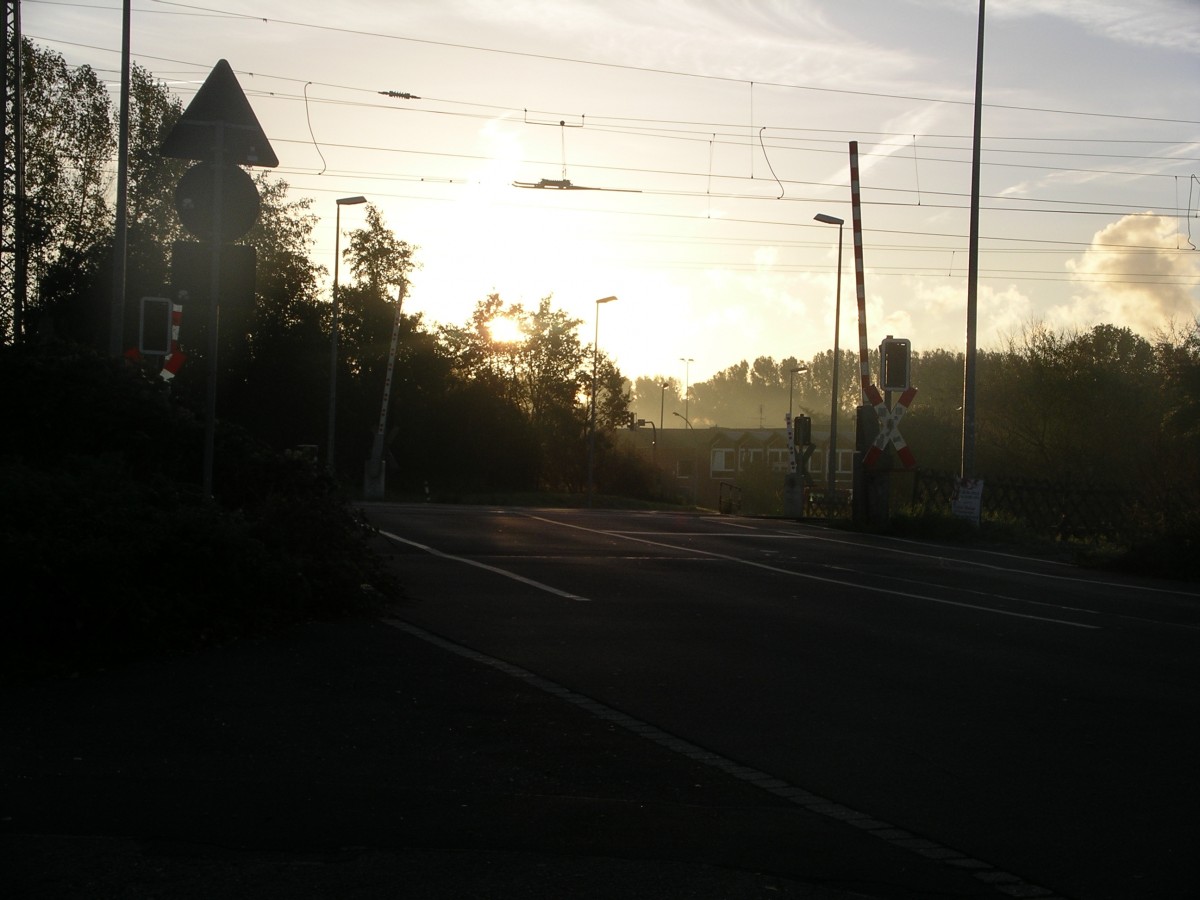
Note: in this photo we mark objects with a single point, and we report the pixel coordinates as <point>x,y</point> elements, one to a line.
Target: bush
<point>111,551</point>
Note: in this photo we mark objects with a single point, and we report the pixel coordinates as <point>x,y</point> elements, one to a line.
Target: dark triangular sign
<point>220,108</point>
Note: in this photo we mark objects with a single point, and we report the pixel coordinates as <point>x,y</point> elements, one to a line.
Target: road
<point>1037,717</point>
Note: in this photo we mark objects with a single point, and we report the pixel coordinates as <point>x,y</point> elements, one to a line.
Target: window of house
<point>777,459</point>
<point>685,468</point>
<point>748,457</point>
<point>723,461</point>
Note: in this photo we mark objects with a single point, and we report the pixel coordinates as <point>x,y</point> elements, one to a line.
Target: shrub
<point>110,549</point>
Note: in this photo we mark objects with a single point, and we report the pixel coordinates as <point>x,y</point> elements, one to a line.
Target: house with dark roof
<point>740,469</point>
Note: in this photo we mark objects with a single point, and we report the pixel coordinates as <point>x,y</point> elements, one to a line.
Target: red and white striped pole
<point>175,359</point>
<point>864,364</point>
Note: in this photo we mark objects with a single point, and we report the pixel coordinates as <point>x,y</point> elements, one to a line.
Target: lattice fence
<point>1059,510</point>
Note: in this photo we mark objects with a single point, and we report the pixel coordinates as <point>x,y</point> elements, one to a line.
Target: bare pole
<point>330,458</point>
<point>214,307</point>
<point>330,462</point>
<point>833,401</point>
<point>116,331</point>
<point>968,434</point>
<point>591,459</point>
<point>860,289</point>
<point>833,393</point>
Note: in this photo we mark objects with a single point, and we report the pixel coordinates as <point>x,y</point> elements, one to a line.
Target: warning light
<point>803,430</point>
<point>895,355</point>
<point>154,334</point>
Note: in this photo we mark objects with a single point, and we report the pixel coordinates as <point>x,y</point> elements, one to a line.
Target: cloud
<point>1138,272</point>
<point>1170,24</point>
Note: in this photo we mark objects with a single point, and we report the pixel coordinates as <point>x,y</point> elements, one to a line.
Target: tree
<point>933,424</point>
<point>69,139</point>
<point>535,360</point>
<point>152,177</point>
<point>369,308</point>
<point>1069,406</point>
<point>275,355</point>
<point>656,398</point>
<point>1171,501</point>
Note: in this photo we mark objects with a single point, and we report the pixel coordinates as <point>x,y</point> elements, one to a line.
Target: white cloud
<point>1139,272</point>
<point>1173,24</point>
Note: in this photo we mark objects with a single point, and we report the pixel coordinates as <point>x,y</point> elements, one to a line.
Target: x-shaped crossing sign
<point>889,430</point>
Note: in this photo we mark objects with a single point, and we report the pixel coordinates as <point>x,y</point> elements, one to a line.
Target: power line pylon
<point>13,267</point>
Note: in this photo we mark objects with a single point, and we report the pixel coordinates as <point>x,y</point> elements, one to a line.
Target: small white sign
<point>967,499</point>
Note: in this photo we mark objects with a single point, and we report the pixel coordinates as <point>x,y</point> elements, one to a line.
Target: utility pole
<point>116,330</point>
<point>968,435</point>
<point>12,192</point>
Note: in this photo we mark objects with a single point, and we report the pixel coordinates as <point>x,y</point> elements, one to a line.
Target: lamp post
<point>592,426</point>
<point>687,361</point>
<point>791,386</point>
<point>333,331</point>
<point>662,404</point>
<point>695,473</point>
<point>833,404</point>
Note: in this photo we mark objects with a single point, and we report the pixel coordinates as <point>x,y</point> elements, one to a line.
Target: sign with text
<point>967,500</point>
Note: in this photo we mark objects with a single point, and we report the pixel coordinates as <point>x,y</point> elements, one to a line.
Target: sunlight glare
<point>505,330</point>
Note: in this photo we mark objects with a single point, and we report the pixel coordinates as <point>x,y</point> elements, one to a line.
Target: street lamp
<point>687,361</point>
<point>792,384</point>
<point>833,404</point>
<point>592,427</point>
<point>695,474</point>
<point>333,331</point>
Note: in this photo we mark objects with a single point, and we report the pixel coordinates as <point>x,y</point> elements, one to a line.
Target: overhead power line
<point>195,9</point>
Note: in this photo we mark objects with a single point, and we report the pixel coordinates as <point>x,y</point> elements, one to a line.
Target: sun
<point>505,330</point>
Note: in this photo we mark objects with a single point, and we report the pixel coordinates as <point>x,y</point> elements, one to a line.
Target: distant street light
<point>792,384</point>
<point>695,472</point>
<point>592,427</point>
<point>333,331</point>
<point>687,361</point>
<point>791,421</point>
<point>833,404</point>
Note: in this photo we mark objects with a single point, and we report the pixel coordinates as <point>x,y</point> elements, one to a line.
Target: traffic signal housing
<point>895,355</point>
<point>802,430</point>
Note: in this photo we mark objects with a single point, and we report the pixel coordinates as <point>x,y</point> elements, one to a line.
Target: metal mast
<point>12,192</point>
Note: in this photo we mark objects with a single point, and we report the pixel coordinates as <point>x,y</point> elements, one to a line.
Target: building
<point>742,469</point>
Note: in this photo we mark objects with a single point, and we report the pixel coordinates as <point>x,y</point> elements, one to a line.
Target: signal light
<point>895,356</point>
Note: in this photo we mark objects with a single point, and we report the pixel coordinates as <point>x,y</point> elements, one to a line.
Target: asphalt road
<point>1041,719</point>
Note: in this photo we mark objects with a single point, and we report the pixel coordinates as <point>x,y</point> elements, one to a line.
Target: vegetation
<point>109,548</point>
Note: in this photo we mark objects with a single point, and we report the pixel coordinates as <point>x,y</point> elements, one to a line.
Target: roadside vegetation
<point>110,551</point>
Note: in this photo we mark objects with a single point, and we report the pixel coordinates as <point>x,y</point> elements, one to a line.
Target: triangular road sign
<point>220,107</point>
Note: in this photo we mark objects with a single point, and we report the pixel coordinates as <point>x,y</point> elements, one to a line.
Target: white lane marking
<point>471,562</point>
<point>982,565</point>
<point>809,577</point>
<point>1004,882</point>
<point>782,536</point>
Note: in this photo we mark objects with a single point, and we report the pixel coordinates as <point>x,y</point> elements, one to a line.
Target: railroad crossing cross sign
<point>889,430</point>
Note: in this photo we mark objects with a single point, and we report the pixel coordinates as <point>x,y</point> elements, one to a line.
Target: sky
<point>713,131</point>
